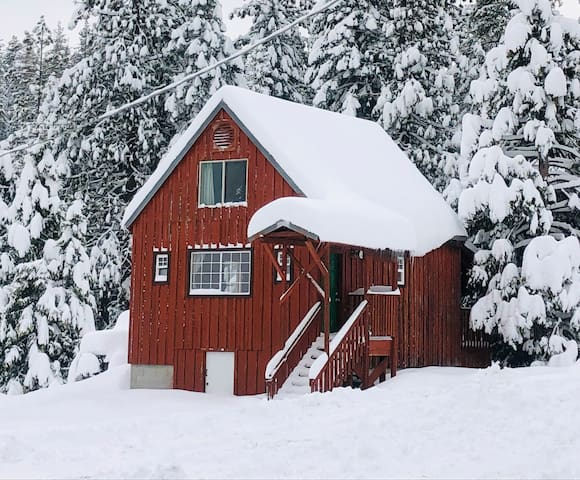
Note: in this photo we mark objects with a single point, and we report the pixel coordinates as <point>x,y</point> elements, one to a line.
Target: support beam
<point>274,261</point>
<point>326,278</point>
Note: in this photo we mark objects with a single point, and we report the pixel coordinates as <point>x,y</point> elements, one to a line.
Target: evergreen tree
<point>199,40</point>
<point>111,160</point>
<point>522,176</point>
<point>4,102</point>
<point>278,67</point>
<point>346,61</point>
<point>45,296</point>
<point>416,105</point>
<point>58,57</point>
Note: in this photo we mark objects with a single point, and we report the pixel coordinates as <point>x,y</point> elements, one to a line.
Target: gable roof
<point>350,168</point>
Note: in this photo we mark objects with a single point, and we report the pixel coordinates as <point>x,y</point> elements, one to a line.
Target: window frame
<point>401,273</point>
<point>156,256</point>
<point>223,203</point>
<point>289,267</point>
<point>192,251</point>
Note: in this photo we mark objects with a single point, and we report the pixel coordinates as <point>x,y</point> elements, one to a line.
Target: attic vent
<point>223,136</point>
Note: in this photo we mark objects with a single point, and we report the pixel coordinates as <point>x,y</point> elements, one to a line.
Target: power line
<point>188,78</point>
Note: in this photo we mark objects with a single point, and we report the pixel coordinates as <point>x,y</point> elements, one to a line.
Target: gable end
<point>167,173</point>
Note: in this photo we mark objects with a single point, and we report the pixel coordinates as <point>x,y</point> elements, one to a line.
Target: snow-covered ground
<point>432,422</point>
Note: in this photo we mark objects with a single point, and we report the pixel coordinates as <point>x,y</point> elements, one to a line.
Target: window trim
<point>191,251</point>
<point>222,204</point>
<point>289,266</point>
<point>156,256</point>
<point>401,270</point>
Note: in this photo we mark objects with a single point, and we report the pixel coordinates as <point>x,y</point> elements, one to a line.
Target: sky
<point>19,15</point>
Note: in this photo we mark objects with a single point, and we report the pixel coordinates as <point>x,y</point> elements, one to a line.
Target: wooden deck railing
<point>348,350</point>
<point>284,361</point>
<point>471,338</point>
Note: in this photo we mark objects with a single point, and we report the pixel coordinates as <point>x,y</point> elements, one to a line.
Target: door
<point>219,373</point>
<point>335,272</point>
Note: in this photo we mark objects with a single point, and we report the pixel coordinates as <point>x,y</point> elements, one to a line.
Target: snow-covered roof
<point>360,188</point>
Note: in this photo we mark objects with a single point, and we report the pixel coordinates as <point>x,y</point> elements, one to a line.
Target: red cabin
<point>280,246</point>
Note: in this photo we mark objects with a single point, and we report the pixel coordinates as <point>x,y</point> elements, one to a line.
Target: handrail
<point>347,349</point>
<point>300,339</point>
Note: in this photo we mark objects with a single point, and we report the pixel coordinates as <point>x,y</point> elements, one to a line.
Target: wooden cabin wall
<point>426,318</point>
<point>168,327</point>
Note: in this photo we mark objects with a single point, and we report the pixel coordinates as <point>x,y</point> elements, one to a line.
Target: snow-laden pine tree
<point>198,41</point>
<point>126,44</point>
<point>4,102</point>
<point>521,182</point>
<point>58,56</point>
<point>346,59</point>
<point>417,105</point>
<point>278,67</point>
<point>19,102</point>
<point>46,303</point>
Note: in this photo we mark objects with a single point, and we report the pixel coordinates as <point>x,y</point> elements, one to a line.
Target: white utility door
<point>219,372</point>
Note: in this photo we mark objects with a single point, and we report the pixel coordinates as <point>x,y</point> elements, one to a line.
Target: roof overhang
<point>282,225</point>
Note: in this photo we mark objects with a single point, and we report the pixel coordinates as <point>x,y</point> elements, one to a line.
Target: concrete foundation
<point>152,376</point>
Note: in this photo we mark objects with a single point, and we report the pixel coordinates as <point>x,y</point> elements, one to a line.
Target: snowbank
<point>111,344</point>
<point>425,423</point>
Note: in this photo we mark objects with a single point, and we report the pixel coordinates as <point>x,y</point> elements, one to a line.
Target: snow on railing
<point>346,348</point>
<point>294,348</point>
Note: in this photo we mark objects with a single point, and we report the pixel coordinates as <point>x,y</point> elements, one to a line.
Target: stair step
<point>300,382</point>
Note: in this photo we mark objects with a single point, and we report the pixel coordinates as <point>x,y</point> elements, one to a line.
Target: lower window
<point>220,272</point>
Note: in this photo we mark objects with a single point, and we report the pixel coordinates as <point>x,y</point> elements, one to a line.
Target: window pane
<point>227,272</point>
<point>210,183</point>
<point>235,188</point>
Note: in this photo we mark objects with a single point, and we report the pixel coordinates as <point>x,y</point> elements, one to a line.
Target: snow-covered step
<point>298,382</point>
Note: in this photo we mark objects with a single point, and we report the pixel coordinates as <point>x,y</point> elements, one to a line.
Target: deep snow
<point>432,422</point>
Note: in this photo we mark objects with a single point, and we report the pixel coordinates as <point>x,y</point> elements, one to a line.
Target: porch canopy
<point>354,222</point>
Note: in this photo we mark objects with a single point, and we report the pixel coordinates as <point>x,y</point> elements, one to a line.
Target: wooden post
<point>326,277</point>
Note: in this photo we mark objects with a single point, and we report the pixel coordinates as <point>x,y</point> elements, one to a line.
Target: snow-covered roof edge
<point>175,154</point>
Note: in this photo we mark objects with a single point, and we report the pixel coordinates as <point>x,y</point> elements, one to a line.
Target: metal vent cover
<point>223,136</point>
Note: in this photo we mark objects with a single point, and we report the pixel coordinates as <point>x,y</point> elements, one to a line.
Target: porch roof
<point>361,223</point>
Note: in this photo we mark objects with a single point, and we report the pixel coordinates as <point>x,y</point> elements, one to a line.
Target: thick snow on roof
<point>368,192</point>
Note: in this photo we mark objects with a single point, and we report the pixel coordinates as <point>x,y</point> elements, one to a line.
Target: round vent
<point>223,136</point>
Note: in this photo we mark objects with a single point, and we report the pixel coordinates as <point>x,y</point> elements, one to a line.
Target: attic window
<point>223,136</point>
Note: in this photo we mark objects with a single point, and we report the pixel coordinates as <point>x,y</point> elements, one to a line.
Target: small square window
<point>400,270</point>
<point>222,182</point>
<point>161,268</point>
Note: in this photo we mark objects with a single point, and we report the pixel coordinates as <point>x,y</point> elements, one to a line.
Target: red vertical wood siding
<point>169,327</point>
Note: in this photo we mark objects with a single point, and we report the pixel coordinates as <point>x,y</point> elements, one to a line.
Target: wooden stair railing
<point>348,352</point>
<point>285,360</point>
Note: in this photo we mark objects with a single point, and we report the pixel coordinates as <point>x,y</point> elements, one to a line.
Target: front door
<point>335,271</point>
<point>219,373</point>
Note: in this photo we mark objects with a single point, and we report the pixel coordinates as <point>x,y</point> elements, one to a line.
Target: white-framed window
<point>222,182</point>
<point>279,258</point>
<point>220,272</point>
<point>161,267</point>
<point>400,270</point>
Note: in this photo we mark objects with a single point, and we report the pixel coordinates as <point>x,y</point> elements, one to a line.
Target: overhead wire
<point>187,78</point>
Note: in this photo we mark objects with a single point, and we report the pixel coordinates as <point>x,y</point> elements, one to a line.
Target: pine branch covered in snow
<point>345,60</point>
<point>519,174</point>
<point>417,104</point>
<point>46,302</point>
<point>198,40</point>
<point>276,68</point>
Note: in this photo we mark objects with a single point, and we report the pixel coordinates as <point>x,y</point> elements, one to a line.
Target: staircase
<point>298,382</point>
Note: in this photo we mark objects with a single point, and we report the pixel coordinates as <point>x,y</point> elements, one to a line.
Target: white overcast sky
<point>19,15</point>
